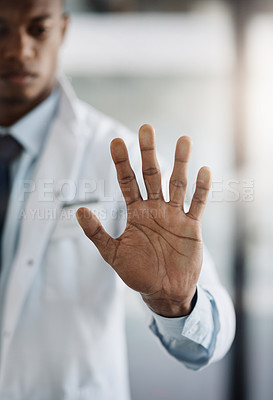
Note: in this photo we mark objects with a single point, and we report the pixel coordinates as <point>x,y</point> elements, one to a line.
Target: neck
<point>11,112</point>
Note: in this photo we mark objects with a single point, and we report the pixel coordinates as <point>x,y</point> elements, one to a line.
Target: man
<point>61,307</point>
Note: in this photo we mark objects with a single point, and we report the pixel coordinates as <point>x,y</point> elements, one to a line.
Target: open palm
<point>160,252</point>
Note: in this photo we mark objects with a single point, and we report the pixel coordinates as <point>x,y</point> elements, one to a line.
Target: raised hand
<point>160,252</point>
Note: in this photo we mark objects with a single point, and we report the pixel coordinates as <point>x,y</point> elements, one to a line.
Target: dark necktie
<point>10,149</point>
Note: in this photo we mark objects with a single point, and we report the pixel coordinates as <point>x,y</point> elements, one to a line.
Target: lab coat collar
<point>69,98</point>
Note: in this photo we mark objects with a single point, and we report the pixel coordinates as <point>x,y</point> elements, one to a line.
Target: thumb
<point>96,233</point>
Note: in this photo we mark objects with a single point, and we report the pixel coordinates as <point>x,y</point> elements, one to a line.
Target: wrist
<point>171,308</point>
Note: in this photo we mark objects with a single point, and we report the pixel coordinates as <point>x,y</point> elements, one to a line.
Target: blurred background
<point>205,69</point>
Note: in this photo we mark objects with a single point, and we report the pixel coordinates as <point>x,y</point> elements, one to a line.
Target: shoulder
<point>100,127</point>
<point>96,130</point>
<point>88,123</point>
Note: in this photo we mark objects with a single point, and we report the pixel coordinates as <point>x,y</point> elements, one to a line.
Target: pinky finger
<point>200,196</point>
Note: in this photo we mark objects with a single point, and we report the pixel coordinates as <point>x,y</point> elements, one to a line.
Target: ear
<point>65,23</point>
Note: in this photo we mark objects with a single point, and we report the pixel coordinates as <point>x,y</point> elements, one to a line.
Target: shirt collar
<point>31,130</point>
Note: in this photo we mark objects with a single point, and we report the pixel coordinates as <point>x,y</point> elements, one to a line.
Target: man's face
<point>31,32</point>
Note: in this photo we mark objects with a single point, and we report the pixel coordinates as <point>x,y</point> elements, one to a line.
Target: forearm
<point>203,336</point>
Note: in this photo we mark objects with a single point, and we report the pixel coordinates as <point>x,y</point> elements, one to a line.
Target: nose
<point>18,47</point>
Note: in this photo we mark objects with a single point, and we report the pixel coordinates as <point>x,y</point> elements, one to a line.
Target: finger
<point>200,196</point>
<point>126,176</point>
<point>178,181</point>
<point>150,167</point>
<point>95,232</point>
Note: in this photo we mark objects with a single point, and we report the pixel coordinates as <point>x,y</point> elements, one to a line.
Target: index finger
<point>126,177</point>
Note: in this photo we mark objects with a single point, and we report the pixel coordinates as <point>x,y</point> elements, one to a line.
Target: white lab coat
<point>62,327</point>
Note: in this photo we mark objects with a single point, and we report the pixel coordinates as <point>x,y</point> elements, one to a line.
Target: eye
<point>3,30</point>
<point>38,31</point>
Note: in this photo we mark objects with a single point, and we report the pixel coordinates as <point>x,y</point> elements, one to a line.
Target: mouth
<point>18,78</point>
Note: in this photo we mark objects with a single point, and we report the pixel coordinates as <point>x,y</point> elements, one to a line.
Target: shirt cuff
<point>198,326</point>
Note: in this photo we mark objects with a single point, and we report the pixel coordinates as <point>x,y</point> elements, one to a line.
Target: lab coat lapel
<point>59,162</point>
